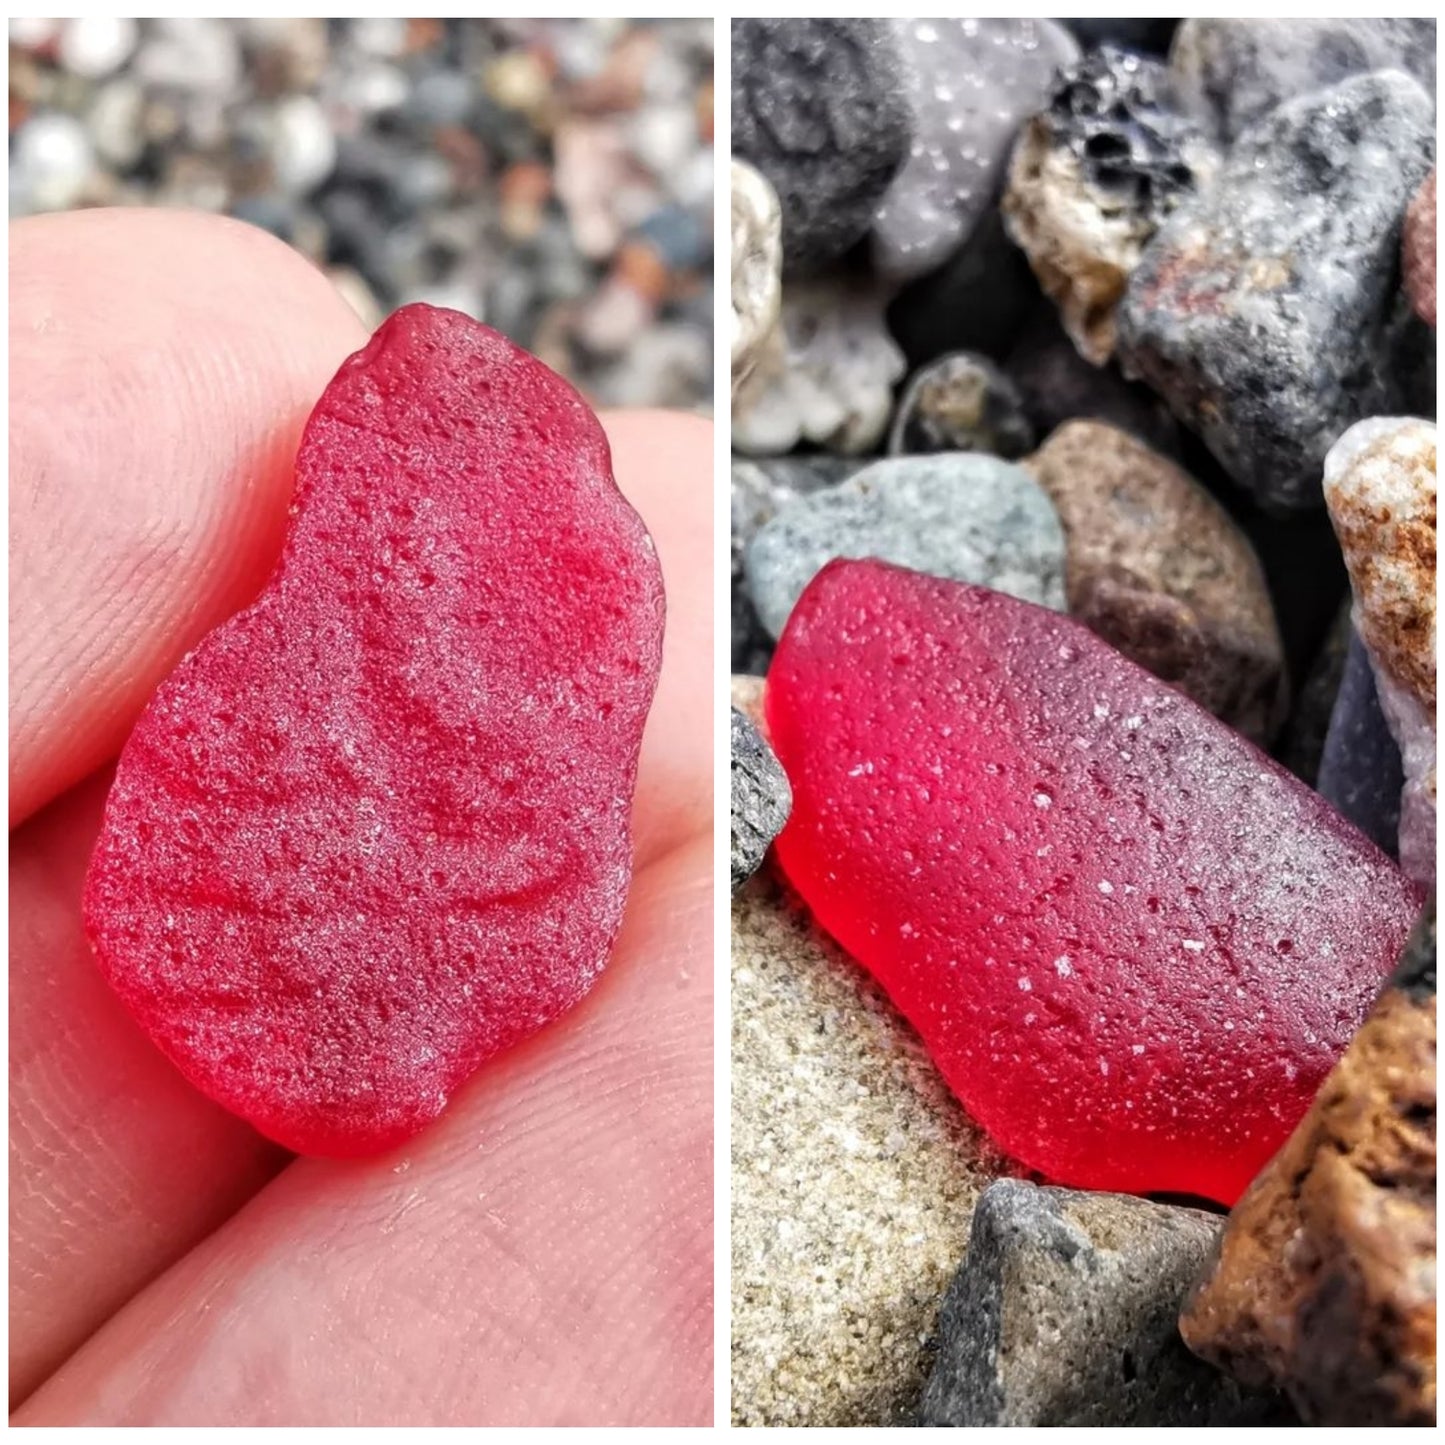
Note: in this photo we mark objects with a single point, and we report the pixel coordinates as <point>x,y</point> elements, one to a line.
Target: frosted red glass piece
<point>375,828</point>
<point>1132,943</point>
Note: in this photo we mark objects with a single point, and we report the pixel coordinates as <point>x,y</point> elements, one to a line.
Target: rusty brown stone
<point>1157,568</point>
<point>1418,251</point>
<point>1324,1282</point>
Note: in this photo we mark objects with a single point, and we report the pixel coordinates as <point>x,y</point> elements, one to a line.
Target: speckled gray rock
<point>1260,311</point>
<point>1064,1313</point>
<point>817,107</point>
<point>971,84</point>
<point>965,516</point>
<point>1092,177</point>
<point>1234,72</point>
<point>759,488</point>
<point>834,387</point>
<point>757,259</point>
<point>1360,770</point>
<point>761,799</point>
<point>1379,484</point>
<point>854,1171</point>
<point>961,403</point>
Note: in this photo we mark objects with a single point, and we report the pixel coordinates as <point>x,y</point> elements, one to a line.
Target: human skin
<point>543,1253</point>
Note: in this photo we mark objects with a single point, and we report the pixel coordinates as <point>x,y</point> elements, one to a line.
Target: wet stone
<point>1324,1282</point>
<point>1260,311</point>
<point>1092,177</point>
<point>1157,567</point>
<point>968,517</point>
<point>817,107</point>
<point>1064,1313</point>
<point>1418,252</point>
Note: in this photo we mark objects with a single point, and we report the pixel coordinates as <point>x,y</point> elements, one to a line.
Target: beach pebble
<point>1324,1284</point>
<point>817,107</point>
<point>1360,770</point>
<point>1158,568</point>
<point>760,798</point>
<point>1064,1313</point>
<point>961,403</point>
<point>757,259</point>
<point>853,1175</point>
<point>1379,482</point>
<point>50,163</point>
<point>1259,310</point>
<point>1093,175</point>
<point>970,84</point>
<point>969,517</point>
<point>834,384</point>
<point>96,46</point>
<point>1418,251</point>
<point>1232,73</point>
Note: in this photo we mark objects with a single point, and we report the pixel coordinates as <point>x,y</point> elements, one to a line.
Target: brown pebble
<point>1324,1283</point>
<point>1418,251</point>
<point>1157,568</point>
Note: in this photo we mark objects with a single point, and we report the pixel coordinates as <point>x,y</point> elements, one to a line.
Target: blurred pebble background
<point>552,177</point>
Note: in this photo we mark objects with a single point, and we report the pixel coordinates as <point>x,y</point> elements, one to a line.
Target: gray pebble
<point>761,799</point>
<point>961,403</point>
<point>965,516</point>
<point>1259,310</point>
<point>1360,771</point>
<point>1065,1313</point>
<point>817,108</point>
<point>971,84</point>
<point>1232,73</point>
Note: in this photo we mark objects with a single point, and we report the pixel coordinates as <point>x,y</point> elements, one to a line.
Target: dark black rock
<point>1150,37</point>
<point>1064,1313</point>
<point>1415,972</point>
<point>1116,113</point>
<point>976,301</point>
<point>1360,769</point>
<point>1232,73</point>
<point>1261,309</point>
<point>761,799</point>
<point>1058,385</point>
<point>817,107</point>
<point>1302,742</point>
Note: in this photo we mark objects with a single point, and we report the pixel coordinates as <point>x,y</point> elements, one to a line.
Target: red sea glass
<point>375,828</point>
<point>1132,943</point>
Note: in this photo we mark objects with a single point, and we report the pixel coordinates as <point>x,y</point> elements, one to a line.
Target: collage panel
<point>1082,732</point>
<point>361,735</point>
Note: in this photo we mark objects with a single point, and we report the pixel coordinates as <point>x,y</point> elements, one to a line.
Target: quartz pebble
<point>376,827</point>
<point>834,385</point>
<point>1260,310</point>
<point>760,798</point>
<point>970,83</point>
<point>1157,568</point>
<point>1380,489</point>
<point>817,108</point>
<point>1065,1313</point>
<point>1133,944</point>
<point>1418,251</point>
<point>1234,72</point>
<point>1324,1284</point>
<point>1092,176</point>
<point>961,403</point>
<point>757,259</point>
<point>966,516</point>
<point>1360,770</point>
<point>853,1175</point>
